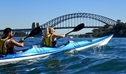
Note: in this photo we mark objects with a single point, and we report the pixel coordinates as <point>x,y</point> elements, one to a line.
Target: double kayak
<point>35,52</point>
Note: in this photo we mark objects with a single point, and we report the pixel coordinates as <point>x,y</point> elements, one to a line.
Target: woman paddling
<point>49,39</point>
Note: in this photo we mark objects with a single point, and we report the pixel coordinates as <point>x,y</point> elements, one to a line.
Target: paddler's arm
<point>19,44</point>
<point>59,35</point>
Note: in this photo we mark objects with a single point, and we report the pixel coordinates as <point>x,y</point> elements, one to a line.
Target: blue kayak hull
<point>35,52</point>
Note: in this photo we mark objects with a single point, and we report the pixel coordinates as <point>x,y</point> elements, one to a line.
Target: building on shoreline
<point>34,25</point>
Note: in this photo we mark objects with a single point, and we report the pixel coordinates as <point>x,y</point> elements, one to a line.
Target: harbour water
<point>109,59</point>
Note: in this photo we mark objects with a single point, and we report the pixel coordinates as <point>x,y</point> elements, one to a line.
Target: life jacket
<point>3,48</point>
<point>48,41</point>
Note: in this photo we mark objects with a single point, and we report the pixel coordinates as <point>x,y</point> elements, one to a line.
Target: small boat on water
<point>35,52</point>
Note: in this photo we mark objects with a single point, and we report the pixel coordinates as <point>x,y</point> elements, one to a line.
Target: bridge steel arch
<point>58,20</point>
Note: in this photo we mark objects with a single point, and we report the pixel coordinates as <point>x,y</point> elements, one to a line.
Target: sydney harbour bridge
<point>71,20</point>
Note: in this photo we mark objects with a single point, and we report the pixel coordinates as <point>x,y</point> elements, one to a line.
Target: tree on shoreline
<point>119,30</point>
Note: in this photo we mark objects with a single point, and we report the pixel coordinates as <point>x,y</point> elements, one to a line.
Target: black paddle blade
<point>34,32</point>
<point>79,27</point>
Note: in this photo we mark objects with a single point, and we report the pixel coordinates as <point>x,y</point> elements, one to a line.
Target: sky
<point>20,14</point>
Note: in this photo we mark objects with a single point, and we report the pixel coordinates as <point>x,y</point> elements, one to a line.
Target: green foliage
<point>119,30</point>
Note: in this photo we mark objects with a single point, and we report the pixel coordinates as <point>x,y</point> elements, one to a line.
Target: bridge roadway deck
<point>55,28</point>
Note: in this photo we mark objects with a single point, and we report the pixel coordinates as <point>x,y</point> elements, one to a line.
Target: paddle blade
<point>34,32</point>
<point>79,27</point>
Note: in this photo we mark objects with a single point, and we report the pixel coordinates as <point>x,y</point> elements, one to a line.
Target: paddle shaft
<point>68,33</point>
<point>77,28</point>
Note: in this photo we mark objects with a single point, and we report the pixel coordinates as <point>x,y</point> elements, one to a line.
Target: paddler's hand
<point>22,40</point>
<point>64,35</point>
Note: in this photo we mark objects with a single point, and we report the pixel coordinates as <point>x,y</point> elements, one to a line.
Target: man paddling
<point>7,43</point>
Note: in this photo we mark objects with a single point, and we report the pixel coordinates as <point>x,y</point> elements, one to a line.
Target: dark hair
<point>6,31</point>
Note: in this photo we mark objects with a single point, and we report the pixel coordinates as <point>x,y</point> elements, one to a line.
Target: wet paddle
<point>34,32</point>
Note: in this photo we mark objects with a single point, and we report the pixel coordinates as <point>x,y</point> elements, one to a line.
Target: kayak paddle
<point>34,32</point>
<point>77,28</point>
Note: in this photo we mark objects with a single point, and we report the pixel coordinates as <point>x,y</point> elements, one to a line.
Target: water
<point>109,59</point>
